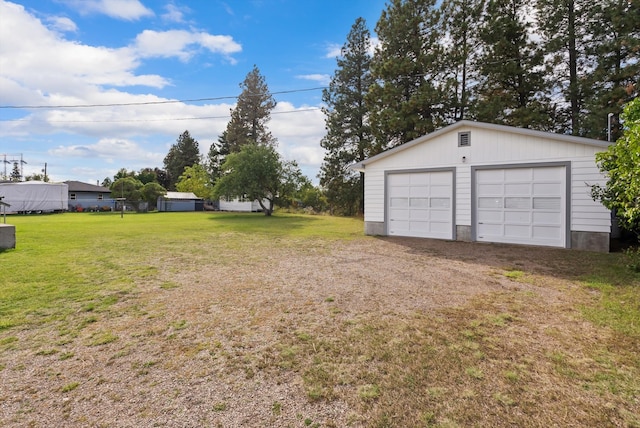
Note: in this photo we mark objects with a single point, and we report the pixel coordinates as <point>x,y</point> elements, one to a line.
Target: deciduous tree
<point>621,164</point>
<point>195,179</point>
<point>256,172</point>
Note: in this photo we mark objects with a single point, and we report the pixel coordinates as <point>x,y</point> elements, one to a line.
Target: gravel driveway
<point>204,342</point>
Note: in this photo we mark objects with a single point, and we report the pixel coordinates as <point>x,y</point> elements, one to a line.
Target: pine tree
<point>248,124</point>
<point>218,152</point>
<point>459,22</point>
<point>512,90</point>
<point>564,27</point>
<point>348,138</point>
<point>615,47</point>
<point>405,102</point>
<point>15,173</point>
<point>181,155</point>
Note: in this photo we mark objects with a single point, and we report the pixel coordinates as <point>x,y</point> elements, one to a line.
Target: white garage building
<point>475,181</point>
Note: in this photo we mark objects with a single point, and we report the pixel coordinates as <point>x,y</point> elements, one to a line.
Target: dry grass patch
<point>284,327</point>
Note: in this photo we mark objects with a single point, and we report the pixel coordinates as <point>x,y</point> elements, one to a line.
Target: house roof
<point>482,125</point>
<point>181,195</point>
<point>79,186</point>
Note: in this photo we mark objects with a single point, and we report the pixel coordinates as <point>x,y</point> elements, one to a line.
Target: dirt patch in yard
<point>365,332</point>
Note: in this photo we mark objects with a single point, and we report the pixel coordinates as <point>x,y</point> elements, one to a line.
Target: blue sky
<point>95,52</point>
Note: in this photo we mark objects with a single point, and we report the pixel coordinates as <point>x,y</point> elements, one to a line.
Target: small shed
<point>476,181</point>
<point>180,201</point>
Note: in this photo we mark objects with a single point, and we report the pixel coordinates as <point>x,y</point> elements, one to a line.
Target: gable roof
<point>181,195</point>
<point>482,125</point>
<point>79,186</point>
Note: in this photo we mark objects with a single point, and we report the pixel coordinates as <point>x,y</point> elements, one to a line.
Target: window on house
<point>99,196</point>
<point>464,139</point>
<point>72,196</point>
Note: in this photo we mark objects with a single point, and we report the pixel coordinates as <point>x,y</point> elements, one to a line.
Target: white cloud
<point>175,13</point>
<point>72,68</point>
<point>108,149</point>
<point>299,131</point>
<point>62,24</point>
<point>322,79</point>
<point>182,44</point>
<point>128,10</point>
<point>335,50</point>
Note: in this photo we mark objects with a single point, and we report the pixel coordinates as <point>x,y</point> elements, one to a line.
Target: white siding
<point>492,147</point>
<point>586,214</point>
<point>463,195</point>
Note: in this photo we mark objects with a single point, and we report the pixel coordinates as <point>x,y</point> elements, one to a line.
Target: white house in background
<point>241,205</point>
<point>474,181</point>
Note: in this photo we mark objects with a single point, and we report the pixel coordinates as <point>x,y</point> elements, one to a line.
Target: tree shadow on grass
<point>276,224</point>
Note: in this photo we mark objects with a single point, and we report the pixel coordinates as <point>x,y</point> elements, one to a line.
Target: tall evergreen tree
<point>564,26</point>
<point>406,99</point>
<point>348,138</point>
<point>248,124</point>
<point>217,154</point>
<point>181,155</point>
<point>512,90</point>
<point>459,25</point>
<point>615,46</point>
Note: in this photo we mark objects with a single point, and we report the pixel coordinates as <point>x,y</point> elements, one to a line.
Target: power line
<point>152,120</point>
<point>152,102</point>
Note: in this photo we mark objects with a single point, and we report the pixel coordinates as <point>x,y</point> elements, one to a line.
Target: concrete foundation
<point>590,241</point>
<point>7,236</point>
<point>374,228</point>
<point>463,233</point>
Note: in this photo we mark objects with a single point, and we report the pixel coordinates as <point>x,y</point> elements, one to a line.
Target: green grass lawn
<point>97,286</point>
<point>69,261</point>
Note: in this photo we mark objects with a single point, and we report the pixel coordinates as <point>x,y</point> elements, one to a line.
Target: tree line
<point>243,163</point>
<point>565,66</point>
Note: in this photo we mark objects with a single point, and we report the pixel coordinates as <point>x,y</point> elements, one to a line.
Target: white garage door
<point>521,205</point>
<point>420,204</point>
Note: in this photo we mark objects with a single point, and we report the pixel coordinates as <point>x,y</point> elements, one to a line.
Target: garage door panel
<point>420,204</point>
<point>517,189</point>
<point>523,217</point>
<point>517,202</point>
<point>419,215</point>
<point>547,189</point>
<point>491,175</point>
<point>490,202</point>
<point>528,207</point>
<point>490,216</point>
<point>418,191</point>
<point>542,203</point>
<point>517,174</point>
<point>517,231</point>
<point>399,202</point>
<point>546,232</point>
<point>441,191</point>
<point>548,173</point>
<point>490,189</point>
<point>549,218</point>
<point>443,216</point>
<point>417,202</point>
<point>398,214</point>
